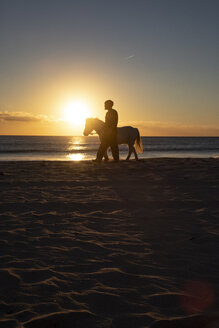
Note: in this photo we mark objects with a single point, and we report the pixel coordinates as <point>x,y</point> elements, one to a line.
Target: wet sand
<point>133,244</point>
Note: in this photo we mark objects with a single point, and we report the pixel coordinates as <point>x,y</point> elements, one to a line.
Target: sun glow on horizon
<point>76,112</point>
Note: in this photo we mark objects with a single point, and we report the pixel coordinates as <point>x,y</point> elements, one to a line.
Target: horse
<point>125,135</point>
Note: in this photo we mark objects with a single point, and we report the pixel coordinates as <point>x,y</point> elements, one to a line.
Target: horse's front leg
<point>106,158</point>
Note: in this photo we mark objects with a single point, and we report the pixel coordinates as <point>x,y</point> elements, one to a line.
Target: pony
<point>125,135</point>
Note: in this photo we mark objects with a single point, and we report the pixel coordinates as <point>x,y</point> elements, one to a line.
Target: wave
<point>47,151</point>
<point>166,148</point>
<point>33,147</point>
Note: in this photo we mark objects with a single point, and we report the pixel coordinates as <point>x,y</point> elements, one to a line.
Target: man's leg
<point>101,151</point>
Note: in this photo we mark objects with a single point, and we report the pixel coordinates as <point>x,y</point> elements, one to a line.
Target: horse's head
<point>93,124</point>
<point>88,127</point>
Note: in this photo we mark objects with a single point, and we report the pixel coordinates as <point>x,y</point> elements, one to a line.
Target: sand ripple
<point>85,245</point>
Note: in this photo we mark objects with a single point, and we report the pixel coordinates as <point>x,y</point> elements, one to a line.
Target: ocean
<point>56,148</point>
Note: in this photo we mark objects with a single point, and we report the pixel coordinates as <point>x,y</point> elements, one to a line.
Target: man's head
<point>108,104</point>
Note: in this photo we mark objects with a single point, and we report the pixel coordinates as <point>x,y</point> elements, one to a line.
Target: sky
<point>158,60</point>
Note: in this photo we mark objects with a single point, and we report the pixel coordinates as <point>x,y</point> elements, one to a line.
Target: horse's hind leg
<point>134,151</point>
<point>130,152</point>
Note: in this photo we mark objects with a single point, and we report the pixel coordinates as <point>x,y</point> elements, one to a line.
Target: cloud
<point>147,128</point>
<point>157,128</point>
<point>22,117</point>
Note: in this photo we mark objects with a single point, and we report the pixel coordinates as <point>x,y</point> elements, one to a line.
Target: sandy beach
<point>129,244</point>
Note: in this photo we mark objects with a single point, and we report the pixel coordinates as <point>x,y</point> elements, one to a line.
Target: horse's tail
<point>138,144</point>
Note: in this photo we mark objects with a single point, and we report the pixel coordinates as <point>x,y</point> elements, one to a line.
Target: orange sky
<point>158,61</point>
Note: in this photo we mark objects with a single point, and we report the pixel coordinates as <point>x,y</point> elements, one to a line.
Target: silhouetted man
<point>109,138</point>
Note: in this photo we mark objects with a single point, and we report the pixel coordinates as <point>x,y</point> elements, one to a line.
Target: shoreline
<point>127,244</point>
<point>156,157</point>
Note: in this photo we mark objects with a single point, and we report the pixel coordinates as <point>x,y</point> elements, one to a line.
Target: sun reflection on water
<point>73,147</point>
<point>75,157</point>
<point>76,140</point>
<point>75,144</point>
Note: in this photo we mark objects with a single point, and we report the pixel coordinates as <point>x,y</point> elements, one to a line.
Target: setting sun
<point>76,112</point>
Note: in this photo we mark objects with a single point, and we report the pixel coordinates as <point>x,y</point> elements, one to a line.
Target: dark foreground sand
<point>110,245</point>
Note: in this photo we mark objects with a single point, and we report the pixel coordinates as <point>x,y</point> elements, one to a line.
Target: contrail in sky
<point>129,57</point>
